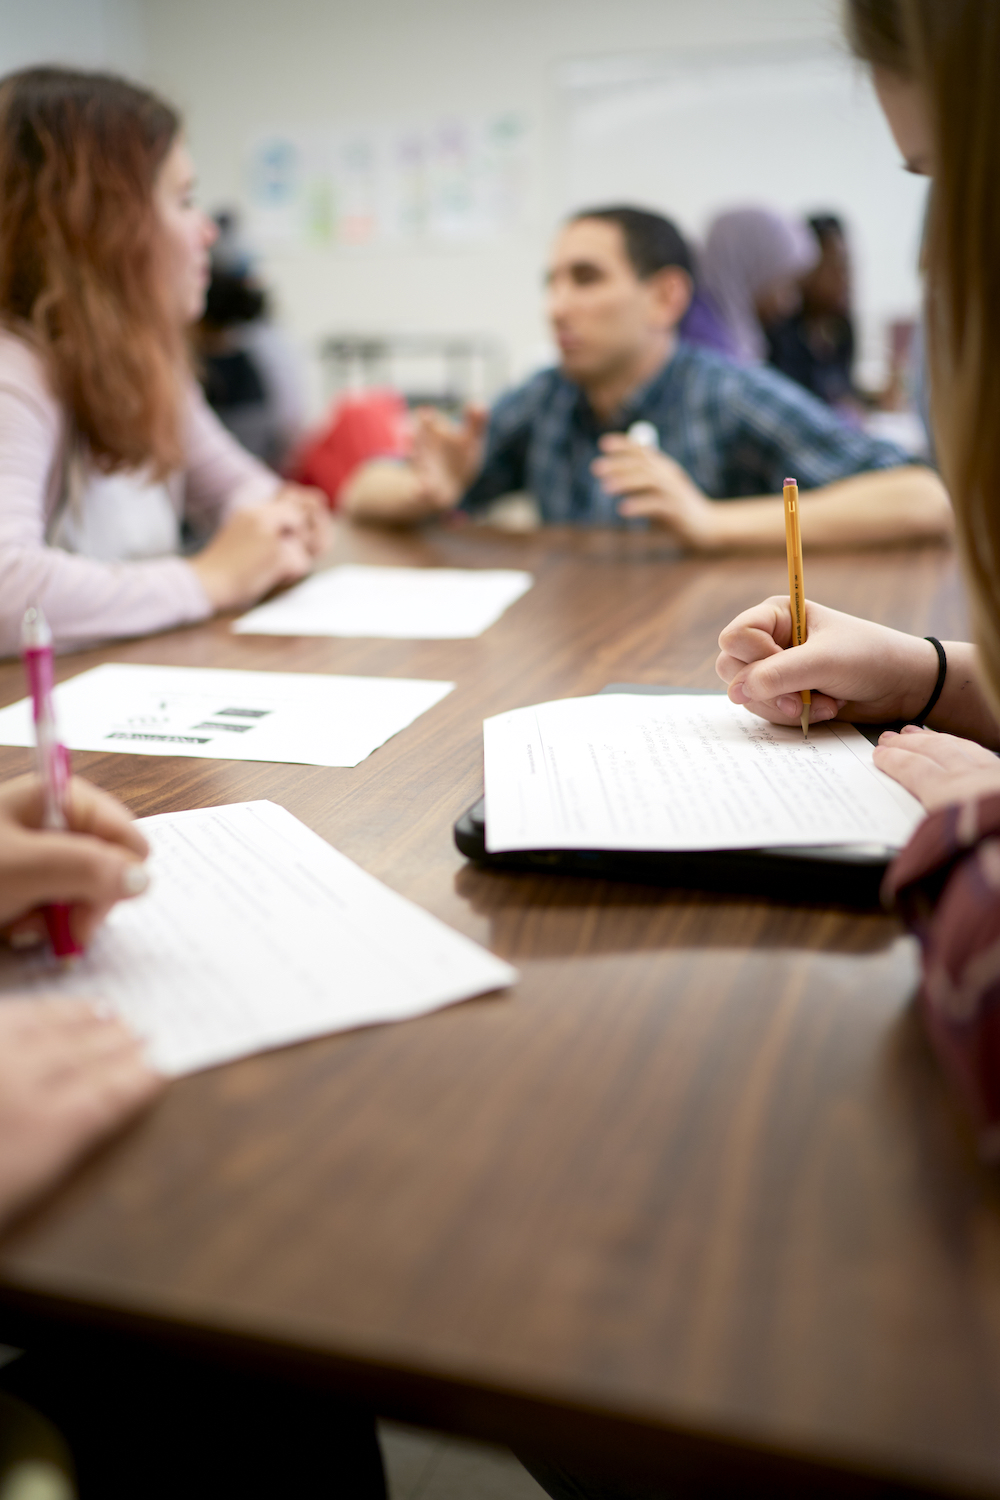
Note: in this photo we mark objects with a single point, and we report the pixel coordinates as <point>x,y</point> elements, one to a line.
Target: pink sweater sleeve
<point>220,476</point>
<point>85,600</point>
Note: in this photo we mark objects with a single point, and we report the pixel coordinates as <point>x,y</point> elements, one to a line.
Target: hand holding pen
<point>61,869</point>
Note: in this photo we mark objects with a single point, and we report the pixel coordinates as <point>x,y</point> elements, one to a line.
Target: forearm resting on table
<point>885,505</point>
<point>387,491</point>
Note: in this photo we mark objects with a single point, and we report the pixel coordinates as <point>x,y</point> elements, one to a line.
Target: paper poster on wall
<point>290,189</point>
<point>457,178</point>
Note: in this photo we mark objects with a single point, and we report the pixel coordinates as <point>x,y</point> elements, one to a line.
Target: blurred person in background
<point>637,424</point>
<point>107,448</point>
<point>251,374</point>
<point>814,344</point>
<point>750,271</point>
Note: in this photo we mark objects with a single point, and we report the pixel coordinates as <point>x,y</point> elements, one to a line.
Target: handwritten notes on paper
<point>622,771</point>
<point>296,717</point>
<point>256,933</point>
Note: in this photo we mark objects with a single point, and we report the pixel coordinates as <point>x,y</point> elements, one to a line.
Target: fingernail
<point>790,706</point>
<point>135,879</point>
<point>737,692</point>
<point>25,937</point>
<point>887,734</point>
<point>823,711</point>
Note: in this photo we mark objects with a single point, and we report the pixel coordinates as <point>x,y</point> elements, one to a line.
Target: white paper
<point>624,771</point>
<point>398,603</point>
<point>299,717</point>
<point>256,933</point>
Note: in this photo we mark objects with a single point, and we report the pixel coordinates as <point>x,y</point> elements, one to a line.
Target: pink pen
<point>53,759</point>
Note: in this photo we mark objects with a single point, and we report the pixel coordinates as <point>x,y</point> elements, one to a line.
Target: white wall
<point>241,66</point>
<point>237,67</point>
<point>693,131</point>
<point>76,33</point>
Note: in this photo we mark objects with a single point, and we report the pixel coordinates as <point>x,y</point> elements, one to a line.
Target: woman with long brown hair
<point>935,64</point>
<point>107,450</point>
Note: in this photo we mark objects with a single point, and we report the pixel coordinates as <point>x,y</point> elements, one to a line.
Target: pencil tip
<point>805,721</point>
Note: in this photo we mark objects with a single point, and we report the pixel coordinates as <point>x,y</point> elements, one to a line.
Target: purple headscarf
<point>745,251</point>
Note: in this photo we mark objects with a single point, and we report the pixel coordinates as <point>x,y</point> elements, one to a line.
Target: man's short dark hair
<point>652,243</point>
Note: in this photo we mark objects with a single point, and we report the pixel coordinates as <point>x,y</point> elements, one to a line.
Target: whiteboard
<point>798,129</point>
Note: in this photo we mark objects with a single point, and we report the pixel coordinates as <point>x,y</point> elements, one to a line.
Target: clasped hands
<point>260,547</point>
<point>860,672</point>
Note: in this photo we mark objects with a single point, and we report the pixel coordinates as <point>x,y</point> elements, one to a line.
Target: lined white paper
<point>299,717</point>
<point>630,771</point>
<point>395,603</point>
<point>256,933</point>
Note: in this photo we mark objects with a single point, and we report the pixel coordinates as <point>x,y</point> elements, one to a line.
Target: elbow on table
<point>924,502</point>
<point>382,491</point>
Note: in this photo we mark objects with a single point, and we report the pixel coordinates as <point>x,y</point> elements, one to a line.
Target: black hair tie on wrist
<point>928,707</point>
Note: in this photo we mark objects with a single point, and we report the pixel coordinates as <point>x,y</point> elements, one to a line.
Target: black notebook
<point>849,875</point>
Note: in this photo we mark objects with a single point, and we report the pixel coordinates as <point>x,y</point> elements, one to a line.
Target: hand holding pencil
<point>796,584</point>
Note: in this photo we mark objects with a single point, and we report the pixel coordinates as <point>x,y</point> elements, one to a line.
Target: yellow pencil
<point>796,583</point>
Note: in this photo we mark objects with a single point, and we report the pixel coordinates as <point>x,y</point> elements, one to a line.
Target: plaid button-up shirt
<point>737,430</point>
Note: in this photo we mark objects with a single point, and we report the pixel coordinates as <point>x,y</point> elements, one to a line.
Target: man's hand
<point>447,455</point>
<point>68,1077</point>
<point>446,458</point>
<point>937,768</point>
<point>98,862</point>
<point>656,486</point>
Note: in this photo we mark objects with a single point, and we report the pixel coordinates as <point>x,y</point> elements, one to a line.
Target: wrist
<point>712,526</point>
<point>921,677</point>
<point>214,581</point>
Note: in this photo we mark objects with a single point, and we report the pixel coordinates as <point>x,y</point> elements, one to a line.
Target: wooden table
<point>691,1194</point>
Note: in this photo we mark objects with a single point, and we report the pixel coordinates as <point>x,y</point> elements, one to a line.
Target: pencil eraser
<point>791,481</point>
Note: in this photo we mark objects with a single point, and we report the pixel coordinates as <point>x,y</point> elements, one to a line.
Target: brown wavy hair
<point>951,50</point>
<point>80,257</point>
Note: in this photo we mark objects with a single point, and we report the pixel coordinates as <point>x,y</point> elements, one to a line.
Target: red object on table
<point>362,426</point>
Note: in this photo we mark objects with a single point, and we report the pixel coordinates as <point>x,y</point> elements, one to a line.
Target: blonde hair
<point>951,50</point>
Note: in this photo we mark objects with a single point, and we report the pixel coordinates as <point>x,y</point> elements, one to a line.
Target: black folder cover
<point>829,876</point>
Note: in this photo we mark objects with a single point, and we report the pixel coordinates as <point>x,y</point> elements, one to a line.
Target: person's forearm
<point>385,491</point>
<point>885,505</point>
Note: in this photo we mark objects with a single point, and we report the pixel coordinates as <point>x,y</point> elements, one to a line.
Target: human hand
<point>447,455</point>
<point>315,511</point>
<point>68,1077</point>
<point>98,862</point>
<point>257,549</point>
<point>654,485</point>
<point>937,768</point>
<point>853,668</point>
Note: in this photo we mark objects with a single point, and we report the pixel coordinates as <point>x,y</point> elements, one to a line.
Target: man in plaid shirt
<point>636,425</point>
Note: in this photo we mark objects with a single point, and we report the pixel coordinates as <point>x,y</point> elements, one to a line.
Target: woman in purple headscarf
<point>749,276</point>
